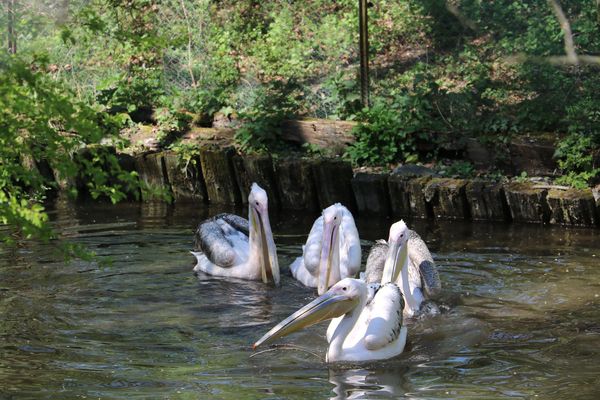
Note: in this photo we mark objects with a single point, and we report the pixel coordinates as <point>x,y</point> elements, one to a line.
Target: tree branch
<point>566,28</point>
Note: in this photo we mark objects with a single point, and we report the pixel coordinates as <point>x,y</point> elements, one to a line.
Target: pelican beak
<point>396,260</point>
<point>328,306</point>
<point>329,250</point>
<point>269,265</point>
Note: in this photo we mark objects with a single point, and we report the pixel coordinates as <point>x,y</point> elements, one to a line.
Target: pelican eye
<point>344,288</point>
<point>257,203</point>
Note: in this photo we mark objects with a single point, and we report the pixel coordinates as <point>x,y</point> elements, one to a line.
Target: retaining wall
<point>221,176</point>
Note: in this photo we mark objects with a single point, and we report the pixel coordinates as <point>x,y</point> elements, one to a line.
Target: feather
<point>420,256</point>
<point>214,237</point>
<point>385,317</point>
<point>376,262</point>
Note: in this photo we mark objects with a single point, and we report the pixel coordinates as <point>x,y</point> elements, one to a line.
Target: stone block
<point>371,193</point>
<point>185,178</point>
<point>333,182</point>
<point>572,207</point>
<point>406,196</point>
<point>219,176</point>
<point>487,201</point>
<point>527,202</point>
<point>447,198</point>
<point>413,171</point>
<point>251,168</point>
<point>296,184</point>
<point>152,173</point>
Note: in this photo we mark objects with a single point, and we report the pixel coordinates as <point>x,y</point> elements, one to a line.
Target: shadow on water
<point>522,315</point>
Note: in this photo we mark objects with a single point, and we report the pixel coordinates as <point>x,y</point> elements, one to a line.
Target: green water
<point>523,318</point>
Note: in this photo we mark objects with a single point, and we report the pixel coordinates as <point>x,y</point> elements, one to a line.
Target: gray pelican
<point>420,280</point>
<point>367,330</point>
<point>331,252</point>
<point>231,246</point>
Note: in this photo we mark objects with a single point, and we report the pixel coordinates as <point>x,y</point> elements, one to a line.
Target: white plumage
<point>231,246</point>
<point>366,331</point>
<point>417,280</point>
<point>332,250</point>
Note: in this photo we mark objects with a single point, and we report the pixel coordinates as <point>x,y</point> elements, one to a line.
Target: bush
<point>382,138</point>
<point>41,122</point>
<point>262,112</point>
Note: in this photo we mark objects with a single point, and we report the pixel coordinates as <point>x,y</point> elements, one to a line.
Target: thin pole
<point>364,52</point>
<point>12,39</point>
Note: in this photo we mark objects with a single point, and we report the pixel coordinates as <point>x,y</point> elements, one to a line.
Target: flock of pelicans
<point>367,313</point>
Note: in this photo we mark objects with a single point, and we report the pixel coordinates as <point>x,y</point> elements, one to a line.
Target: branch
<point>554,60</point>
<point>566,28</point>
<point>464,21</point>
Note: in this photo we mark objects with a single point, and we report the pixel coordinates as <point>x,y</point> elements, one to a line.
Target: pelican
<point>418,281</point>
<point>231,246</point>
<point>331,252</point>
<point>367,330</point>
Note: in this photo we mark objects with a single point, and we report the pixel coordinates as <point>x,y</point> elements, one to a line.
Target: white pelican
<point>230,246</point>
<point>418,281</point>
<point>367,330</point>
<point>331,252</point>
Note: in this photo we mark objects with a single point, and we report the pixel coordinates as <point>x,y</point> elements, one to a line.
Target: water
<point>522,321</point>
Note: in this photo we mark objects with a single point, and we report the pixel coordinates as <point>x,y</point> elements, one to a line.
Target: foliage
<point>382,138</point>
<point>129,94</point>
<point>578,153</point>
<point>170,123</point>
<point>262,116</point>
<point>447,69</point>
<point>202,102</point>
<point>339,98</point>
<point>522,177</point>
<point>186,153</point>
<point>458,169</point>
<point>41,125</point>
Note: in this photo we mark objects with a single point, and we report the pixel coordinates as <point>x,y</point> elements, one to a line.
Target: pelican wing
<point>421,257</point>
<point>376,262</point>
<point>385,317</point>
<point>312,248</point>
<point>213,238</point>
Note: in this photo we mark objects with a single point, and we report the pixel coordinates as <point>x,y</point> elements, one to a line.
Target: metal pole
<point>12,38</point>
<point>364,52</point>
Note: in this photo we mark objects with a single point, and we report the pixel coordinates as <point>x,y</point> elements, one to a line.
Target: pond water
<point>522,319</point>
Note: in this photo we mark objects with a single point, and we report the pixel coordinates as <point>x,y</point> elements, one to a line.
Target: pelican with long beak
<point>419,278</point>
<point>231,246</point>
<point>331,252</point>
<point>367,330</point>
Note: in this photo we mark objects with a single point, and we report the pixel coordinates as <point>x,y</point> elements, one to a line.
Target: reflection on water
<point>368,383</point>
<point>521,316</point>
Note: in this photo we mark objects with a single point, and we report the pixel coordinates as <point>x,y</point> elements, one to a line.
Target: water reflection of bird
<point>368,383</point>
<point>421,280</point>
<point>231,246</point>
<point>368,330</point>
<point>331,252</point>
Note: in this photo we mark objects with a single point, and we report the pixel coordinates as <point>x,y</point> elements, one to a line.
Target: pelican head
<point>397,256</point>
<point>260,230</point>
<point>340,299</point>
<point>329,261</point>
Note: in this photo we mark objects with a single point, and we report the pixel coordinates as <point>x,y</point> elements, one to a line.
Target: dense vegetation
<point>441,71</point>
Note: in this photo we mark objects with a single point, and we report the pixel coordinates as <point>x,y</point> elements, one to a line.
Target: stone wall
<point>221,176</point>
